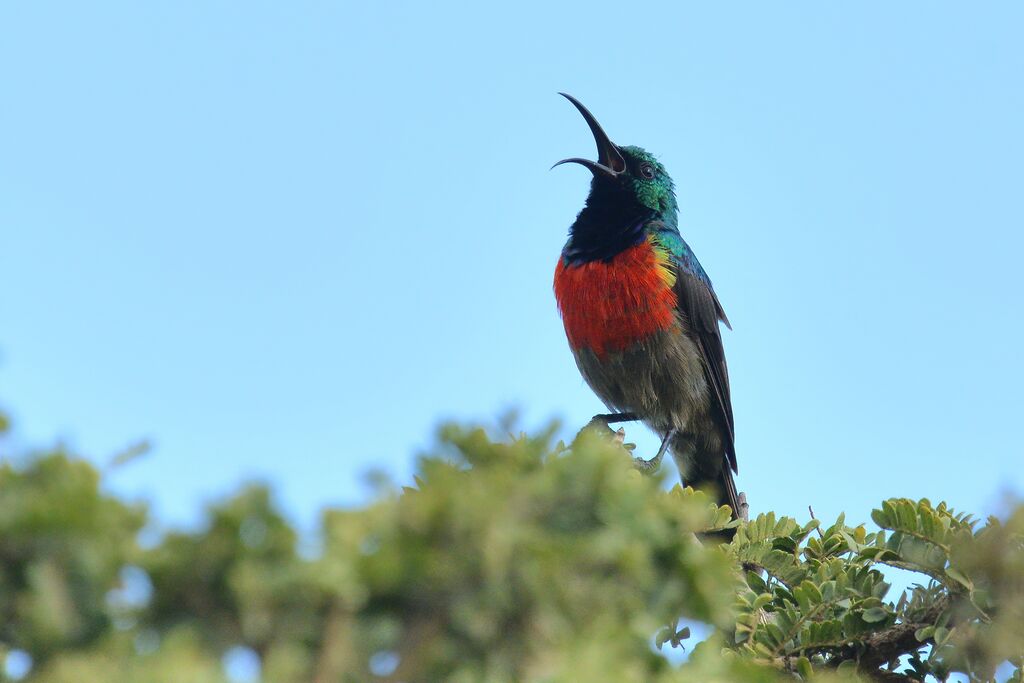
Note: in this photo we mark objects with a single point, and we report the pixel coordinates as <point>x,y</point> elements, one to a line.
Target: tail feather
<point>708,469</point>
<point>723,488</point>
<point>728,495</point>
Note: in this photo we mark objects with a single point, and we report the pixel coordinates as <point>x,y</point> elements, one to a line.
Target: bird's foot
<point>599,425</point>
<point>602,422</point>
<point>651,466</point>
<point>648,466</point>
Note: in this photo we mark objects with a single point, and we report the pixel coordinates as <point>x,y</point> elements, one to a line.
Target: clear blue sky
<point>285,240</point>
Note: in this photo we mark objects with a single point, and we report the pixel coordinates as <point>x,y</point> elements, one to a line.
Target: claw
<point>599,426</point>
<point>599,423</point>
<point>602,423</point>
<point>648,466</point>
<point>652,465</point>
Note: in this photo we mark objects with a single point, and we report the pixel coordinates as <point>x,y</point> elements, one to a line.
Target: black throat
<point>611,222</point>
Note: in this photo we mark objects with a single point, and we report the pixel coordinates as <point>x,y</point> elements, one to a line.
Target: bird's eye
<point>646,170</point>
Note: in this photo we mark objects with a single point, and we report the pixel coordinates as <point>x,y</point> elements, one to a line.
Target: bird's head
<point>624,174</point>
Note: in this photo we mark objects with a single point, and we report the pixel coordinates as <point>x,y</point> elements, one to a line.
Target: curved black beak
<point>609,158</point>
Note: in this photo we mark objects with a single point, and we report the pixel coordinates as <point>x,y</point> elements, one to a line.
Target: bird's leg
<point>648,466</point>
<point>612,418</point>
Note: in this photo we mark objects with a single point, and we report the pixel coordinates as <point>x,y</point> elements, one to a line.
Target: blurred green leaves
<point>510,562</point>
<point>517,560</point>
<point>62,546</point>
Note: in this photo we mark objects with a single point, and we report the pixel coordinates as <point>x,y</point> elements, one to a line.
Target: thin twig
<point>818,529</point>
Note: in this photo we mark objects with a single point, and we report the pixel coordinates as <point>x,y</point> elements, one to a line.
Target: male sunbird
<point>642,317</point>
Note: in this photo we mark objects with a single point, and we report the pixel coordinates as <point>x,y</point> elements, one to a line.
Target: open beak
<point>609,159</point>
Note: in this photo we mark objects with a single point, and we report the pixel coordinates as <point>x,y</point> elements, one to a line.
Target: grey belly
<point>663,381</point>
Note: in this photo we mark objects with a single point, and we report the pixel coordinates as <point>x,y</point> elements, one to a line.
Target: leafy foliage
<point>510,561</point>
<point>821,599</point>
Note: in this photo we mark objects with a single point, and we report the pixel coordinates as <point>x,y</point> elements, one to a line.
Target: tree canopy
<point>506,560</point>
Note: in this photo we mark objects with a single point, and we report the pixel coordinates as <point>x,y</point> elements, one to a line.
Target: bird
<point>642,318</point>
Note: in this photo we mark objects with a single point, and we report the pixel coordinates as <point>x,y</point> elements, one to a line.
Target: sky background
<point>283,241</point>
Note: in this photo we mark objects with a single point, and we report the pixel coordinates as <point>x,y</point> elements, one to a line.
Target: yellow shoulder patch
<point>664,261</point>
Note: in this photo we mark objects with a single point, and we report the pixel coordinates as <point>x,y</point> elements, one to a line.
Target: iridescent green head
<point>627,172</point>
<point>647,177</point>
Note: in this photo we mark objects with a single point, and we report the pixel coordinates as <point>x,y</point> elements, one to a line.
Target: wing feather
<point>700,306</point>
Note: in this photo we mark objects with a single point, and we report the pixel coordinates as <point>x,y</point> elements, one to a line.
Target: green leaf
<point>662,637</point>
<point>803,667</point>
<point>959,577</point>
<point>778,638</point>
<point>875,614</point>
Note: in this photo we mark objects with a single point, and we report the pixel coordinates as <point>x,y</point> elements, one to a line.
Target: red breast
<point>608,306</point>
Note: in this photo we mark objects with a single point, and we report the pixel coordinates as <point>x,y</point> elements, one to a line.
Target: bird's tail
<point>697,469</point>
<point>724,490</point>
<point>728,495</point>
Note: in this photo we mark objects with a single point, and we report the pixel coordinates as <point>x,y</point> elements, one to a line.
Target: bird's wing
<point>700,307</point>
